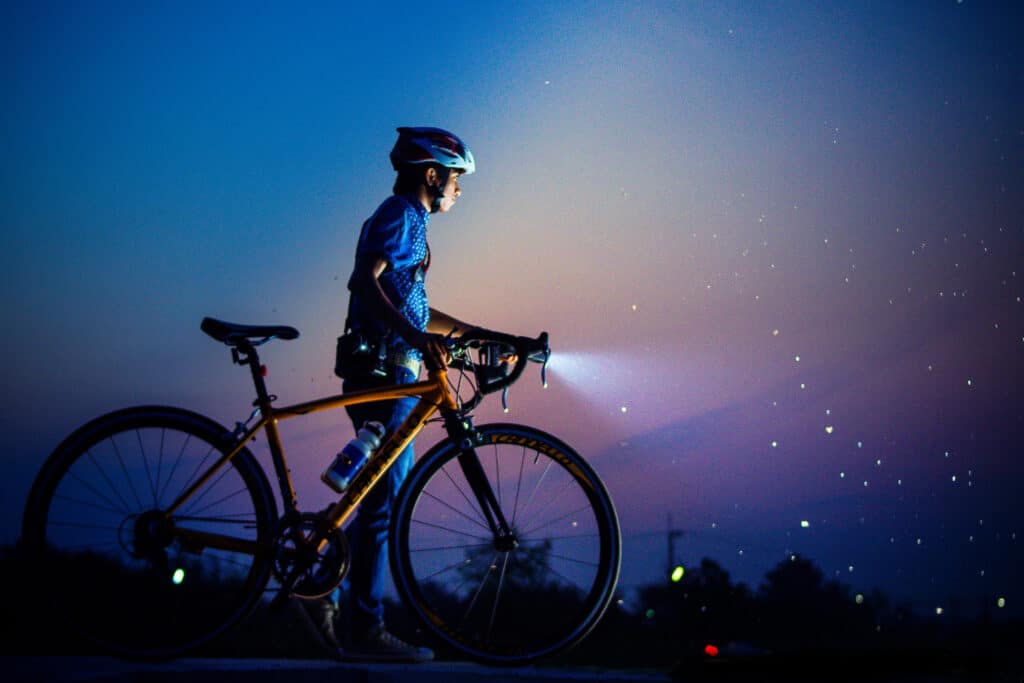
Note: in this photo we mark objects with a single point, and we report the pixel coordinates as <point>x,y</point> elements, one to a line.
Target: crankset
<point>295,545</point>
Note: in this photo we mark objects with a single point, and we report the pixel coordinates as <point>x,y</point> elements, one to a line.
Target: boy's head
<point>432,159</point>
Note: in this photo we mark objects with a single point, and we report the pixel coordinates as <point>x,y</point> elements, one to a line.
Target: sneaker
<point>320,615</point>
<point>378,645</point>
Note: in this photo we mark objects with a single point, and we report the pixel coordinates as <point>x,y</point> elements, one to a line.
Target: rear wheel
<point>516,598</point>
<point>119,571</point>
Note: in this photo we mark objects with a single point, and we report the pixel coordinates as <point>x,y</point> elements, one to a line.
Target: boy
<point>389,302</point>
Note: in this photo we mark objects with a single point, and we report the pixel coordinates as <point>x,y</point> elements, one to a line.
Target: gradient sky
<point>778,248</point>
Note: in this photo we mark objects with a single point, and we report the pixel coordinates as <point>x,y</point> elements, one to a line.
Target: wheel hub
<point>506,543</point>
<point>151,533</point>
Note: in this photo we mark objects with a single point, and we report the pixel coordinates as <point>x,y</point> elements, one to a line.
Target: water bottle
<point>353,456</point>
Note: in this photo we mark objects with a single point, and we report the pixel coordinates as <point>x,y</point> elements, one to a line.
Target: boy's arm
<point>442,323</point>
<point>365,283</point>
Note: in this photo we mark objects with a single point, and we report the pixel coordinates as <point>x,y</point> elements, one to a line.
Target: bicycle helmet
<point>431,145</point>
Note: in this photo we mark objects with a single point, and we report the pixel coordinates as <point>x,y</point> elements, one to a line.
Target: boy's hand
<point>434,348</point>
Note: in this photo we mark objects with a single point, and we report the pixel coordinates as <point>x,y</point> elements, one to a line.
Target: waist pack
<point>360,355</point>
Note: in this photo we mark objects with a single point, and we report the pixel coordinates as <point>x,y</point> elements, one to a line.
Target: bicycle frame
<point>433,394</point>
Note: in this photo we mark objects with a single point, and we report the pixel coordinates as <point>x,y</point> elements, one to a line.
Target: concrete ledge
<point>109,670</point>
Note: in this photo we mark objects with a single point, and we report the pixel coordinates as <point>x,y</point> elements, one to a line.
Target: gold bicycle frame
<point>433,394</point>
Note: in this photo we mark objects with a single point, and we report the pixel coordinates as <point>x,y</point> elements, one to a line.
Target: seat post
<point>245,354</point>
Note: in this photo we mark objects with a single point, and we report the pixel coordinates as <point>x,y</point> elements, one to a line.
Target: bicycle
<point>161,530</point>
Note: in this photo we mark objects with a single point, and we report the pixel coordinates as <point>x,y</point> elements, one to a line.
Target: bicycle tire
<point>108,577</point>
<point>514,606</point>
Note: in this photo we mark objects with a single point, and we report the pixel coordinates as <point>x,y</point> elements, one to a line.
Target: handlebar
<point>491,370</point>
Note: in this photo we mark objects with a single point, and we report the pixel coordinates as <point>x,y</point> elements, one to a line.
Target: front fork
<point>460,429</point>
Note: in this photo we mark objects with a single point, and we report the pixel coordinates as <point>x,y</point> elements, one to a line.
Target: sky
<point>777,246</point>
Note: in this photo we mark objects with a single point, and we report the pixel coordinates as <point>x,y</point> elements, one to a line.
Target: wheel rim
<point>524,595</point>
<point>124,579</point>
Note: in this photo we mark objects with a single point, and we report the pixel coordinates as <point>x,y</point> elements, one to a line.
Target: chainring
<point>330,565</point>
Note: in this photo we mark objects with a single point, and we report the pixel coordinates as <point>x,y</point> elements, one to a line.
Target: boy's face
<point>450,192</point>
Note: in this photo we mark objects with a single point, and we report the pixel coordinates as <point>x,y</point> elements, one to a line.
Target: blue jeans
<point>368,532</point>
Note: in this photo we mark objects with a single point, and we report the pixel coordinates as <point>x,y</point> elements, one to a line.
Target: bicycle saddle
<point>233,333</point>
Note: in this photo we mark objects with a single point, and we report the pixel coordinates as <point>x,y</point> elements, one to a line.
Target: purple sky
<point>778,248</point>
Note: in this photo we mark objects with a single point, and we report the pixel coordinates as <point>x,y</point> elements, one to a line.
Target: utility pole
<point>672,535</point>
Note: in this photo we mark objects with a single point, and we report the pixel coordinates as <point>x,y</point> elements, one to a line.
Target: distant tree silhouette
<point>704,607</point>
<point>795,611</point>
<point>799,608</point>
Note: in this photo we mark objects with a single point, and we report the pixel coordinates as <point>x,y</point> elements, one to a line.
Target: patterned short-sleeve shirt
<point>397,232</point>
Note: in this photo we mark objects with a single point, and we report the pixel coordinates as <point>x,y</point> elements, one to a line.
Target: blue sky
<point>688,196</point>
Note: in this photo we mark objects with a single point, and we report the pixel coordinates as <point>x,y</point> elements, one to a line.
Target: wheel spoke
<point>465,497</point>
<point>191,509</point>
<point>487,541</point>
<point>556,520</point>
<point>479,589</point>
<point>77,547</point>
<point>198,468</point>
<point>145,463</point>
<point>222,519</point>
<point>497,474</point>
<point>497,595</point>
<point>564,578</point>
<point>559,496</point>
<point>461,546</point>
<point>536,487</point>
<point>218,501</point>
<point>233,559</point>
<point>468,578</point>
<point>174,467</point>
<point>82,525</point>
<point>444,570</point>
<point>159,469</point>
<point>124,469</point>
<point>558,538</point>
<point>458,512</point>
<point>574,559</point>
<point>107,479</point>
<point>121,510</point>
<point>519,483</point>
<point>85,503</point>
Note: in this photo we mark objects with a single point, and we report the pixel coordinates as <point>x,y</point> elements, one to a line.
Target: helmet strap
<point>438,192</point>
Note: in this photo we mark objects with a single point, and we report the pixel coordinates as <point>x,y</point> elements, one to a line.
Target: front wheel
<point>120,571</point>
<point>514,598</point>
